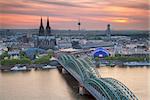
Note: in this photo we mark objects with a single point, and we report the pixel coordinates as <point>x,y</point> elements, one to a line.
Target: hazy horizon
<point>71,29</point>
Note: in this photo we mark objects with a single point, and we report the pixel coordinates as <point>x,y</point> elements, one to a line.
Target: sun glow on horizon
<point>120,20</point>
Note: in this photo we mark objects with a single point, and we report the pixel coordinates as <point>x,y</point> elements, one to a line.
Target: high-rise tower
<point>48,28</point>
<point>41,29</point>
<point>108,32</point>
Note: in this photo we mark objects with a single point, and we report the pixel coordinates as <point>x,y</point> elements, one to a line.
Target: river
<point>53,85</point>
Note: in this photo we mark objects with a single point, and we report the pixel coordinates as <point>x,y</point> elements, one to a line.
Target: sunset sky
<point>64,14</point>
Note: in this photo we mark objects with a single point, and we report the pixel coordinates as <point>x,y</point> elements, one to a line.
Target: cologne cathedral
<point>45,39</point>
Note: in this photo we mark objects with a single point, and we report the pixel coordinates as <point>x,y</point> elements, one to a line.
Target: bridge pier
<point>62,70</point>
<point>82,90</point>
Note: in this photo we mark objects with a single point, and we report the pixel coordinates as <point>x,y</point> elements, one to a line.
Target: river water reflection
<point>136,79</point>
<point>52,85</point>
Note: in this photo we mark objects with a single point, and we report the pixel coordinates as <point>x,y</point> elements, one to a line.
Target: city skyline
<point>63,14</point>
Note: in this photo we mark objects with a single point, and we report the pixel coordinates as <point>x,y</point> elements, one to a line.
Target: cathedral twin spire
<point>48,28</point>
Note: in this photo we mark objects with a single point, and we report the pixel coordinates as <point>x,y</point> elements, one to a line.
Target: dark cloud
<point>23,6</point>
<point>60,3</point>
<point>26,7</point>
<point>121,3</point>
<point>144,6</point>
<point>33,13</point>
<point>14,5</point>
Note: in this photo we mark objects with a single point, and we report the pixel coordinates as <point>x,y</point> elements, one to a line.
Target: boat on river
<point>20,68</point>
<point>136,64</point>
<point>48,67</point>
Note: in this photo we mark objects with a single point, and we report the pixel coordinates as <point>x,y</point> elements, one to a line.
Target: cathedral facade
<point>44,39</point>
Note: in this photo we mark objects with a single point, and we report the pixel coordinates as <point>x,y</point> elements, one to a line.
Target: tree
<point>23,55</point>
<point>4,54</point>
<point>12,62</point>
<point>43,59</point>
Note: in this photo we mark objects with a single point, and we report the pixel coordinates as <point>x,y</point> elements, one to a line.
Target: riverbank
<point>113,63</point>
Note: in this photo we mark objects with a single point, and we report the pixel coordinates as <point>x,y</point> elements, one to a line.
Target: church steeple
<point>41,29</point>
<point>48,28</point>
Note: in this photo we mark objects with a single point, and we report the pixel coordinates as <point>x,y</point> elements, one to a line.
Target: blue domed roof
<point>101,52</point>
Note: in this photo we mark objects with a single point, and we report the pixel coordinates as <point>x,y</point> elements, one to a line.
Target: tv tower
<point>79,23</point>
